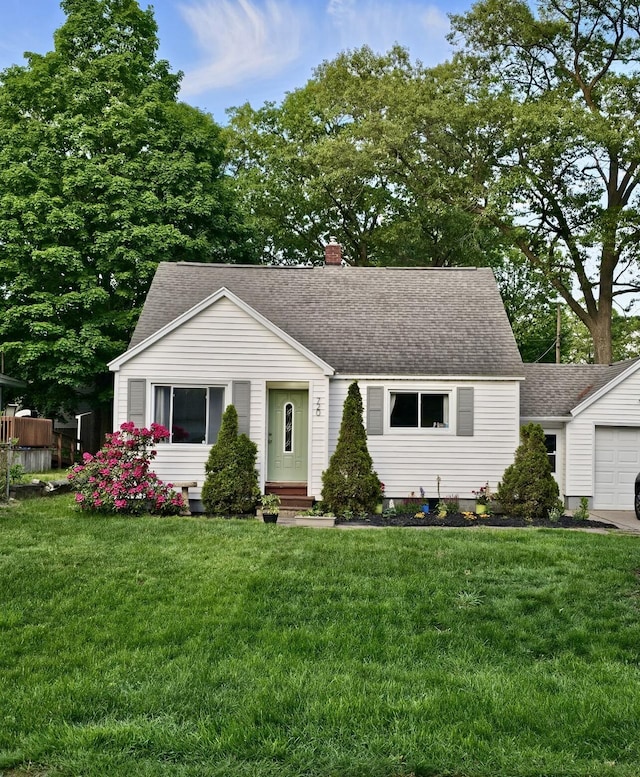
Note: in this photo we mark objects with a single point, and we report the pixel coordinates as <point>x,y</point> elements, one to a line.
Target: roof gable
<point>565,390</point>
<point>359,320</point>
<point>175,323</point>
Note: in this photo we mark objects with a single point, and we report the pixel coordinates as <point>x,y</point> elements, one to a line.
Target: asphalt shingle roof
<point>360,320</point>
<point>553,390</point>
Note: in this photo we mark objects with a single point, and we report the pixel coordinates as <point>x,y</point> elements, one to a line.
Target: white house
<point>431,349</point>
<point>443,385</point>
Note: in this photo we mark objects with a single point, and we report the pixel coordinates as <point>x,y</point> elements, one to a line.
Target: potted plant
<point>270,507</point>
<point>482,495</point>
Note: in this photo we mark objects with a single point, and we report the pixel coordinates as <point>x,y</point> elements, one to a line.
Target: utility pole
<point>558,327</point>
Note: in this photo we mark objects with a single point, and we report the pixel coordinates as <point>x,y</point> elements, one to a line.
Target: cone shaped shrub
<point>350,483</point>
<point>231,482</point>
<point>528,488</point>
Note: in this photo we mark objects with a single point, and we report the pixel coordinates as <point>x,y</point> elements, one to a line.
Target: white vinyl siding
<point>619,407</point>
<point>221,345</point>
<point>406,459</point>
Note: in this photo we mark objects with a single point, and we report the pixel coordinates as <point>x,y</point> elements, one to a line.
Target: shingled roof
<point>360,320</point>
<point>553,390</point>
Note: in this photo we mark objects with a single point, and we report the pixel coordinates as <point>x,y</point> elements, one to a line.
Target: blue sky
<point>237,51</point>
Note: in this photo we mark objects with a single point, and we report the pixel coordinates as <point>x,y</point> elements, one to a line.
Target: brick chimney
<point>333,253</point>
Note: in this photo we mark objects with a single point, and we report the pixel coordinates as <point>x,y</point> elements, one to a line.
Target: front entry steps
<point>293,497</point>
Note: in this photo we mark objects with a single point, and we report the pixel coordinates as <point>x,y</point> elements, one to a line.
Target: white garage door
<point>617,465</point>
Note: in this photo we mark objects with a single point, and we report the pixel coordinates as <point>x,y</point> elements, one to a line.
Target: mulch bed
<point>460,520</point>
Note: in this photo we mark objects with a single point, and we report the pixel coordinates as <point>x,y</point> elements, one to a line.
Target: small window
<point>550,441</point>
<point>288,428</point>
<point>416,409</point>
<point>192,414</point>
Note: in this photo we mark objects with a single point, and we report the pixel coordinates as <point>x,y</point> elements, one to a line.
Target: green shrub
<point>350,483</point>
<point>582,513</point>
<point>231,482</point>
<point>528,489</point>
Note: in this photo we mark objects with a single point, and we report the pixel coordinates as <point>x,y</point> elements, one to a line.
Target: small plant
<point>483,494</point>
<point>118,478</point>
<point>270,504</point>
<point>556,512</point>
<point>451,505</point>
<point>16,473</point>
<point>441,509</point>
<point>582,513</point>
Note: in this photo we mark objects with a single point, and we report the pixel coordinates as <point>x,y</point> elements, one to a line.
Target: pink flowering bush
<point>118,479</point>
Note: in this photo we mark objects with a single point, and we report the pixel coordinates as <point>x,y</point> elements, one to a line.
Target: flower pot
<point>379,509</point>
<point>481,509</point>
<point>424,508</point>
<point>270,517</point>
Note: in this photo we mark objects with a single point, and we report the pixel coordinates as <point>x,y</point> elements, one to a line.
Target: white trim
<point>606,388</point>
<point>423,378</point>
<point>116,363</point>
<point>545,419</point>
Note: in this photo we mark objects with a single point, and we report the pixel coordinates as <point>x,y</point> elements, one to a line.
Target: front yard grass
<point>187,646</point>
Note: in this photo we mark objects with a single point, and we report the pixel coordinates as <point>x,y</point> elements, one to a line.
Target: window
<point>415,409</point>
<point>193,414</point>
<point>288,428</point>
<point>550,442</point>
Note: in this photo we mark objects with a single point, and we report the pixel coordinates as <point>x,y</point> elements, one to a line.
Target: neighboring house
<point>442,382</point>
<point>431,349</point>
<point>591,417</point>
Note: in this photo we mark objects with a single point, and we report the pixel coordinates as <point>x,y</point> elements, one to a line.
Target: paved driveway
<point>623,519</point>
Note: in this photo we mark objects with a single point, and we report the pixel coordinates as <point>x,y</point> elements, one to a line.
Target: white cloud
<point>381,23</point>
<point>242,40</point>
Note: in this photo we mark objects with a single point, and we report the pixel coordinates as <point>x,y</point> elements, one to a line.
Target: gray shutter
<point>137,401</point>
<point>241,399</point>
<point>375,409</point>
<point>464,426</point>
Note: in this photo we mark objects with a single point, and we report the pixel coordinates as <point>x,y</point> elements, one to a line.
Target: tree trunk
<point>600,330</point>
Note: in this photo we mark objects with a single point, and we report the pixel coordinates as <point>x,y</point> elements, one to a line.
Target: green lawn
<point>187,646</point>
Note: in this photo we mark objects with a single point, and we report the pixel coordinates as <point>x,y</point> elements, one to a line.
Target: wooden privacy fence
<point>30,432</point>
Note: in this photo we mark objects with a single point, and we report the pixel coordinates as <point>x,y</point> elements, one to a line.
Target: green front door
<point>288,436</point>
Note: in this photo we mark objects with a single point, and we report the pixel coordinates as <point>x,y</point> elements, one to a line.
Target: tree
<point>231,483</point>
<point>528,489</point>
<point>553,99</point>
<point>337,158</point>
<point>102,175</point>
<point>349,483</point>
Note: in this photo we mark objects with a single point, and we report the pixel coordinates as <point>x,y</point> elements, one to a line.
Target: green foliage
<point>582,513</point>
<point>102,175</point>
<point>528,488</point>
<point>349,482</point>
<point>451,505</point>
<point>346,155</point>
<point>553,94</point>
<point>231,482</point>
<point>270,503</point>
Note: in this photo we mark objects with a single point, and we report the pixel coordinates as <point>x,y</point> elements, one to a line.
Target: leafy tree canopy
<point>102,175</point>
<point>348,155</point>
<point>554,97</point>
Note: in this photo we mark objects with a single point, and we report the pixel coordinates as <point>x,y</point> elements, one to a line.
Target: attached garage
<point>617,463</point>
